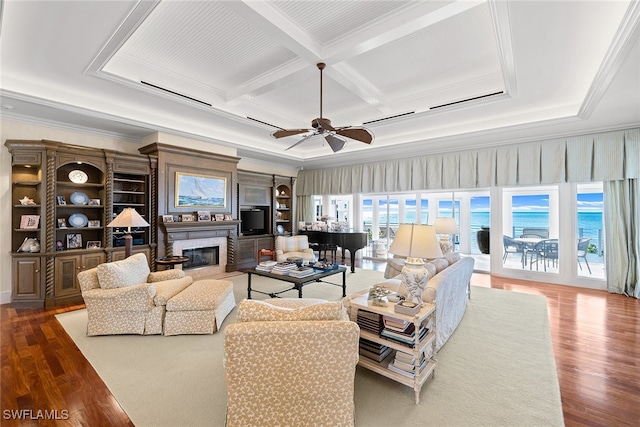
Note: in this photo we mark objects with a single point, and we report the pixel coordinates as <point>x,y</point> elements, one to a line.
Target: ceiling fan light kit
<point>322,126</point>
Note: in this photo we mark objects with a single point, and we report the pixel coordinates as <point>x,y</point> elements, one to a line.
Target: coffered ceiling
<point>423,76</point>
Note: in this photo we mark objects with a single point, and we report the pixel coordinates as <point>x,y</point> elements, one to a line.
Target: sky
<point>586,202</point>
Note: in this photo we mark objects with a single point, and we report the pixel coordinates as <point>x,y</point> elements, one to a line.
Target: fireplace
<point>215,238</point>
<point>201,257</point>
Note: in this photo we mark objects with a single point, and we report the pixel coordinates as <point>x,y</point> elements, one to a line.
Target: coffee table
<point>298,282</point>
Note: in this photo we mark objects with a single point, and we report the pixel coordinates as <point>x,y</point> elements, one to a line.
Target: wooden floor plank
<point>596,343</point>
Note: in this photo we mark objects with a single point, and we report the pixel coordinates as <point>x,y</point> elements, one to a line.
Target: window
<point>480,210</point>
<point>531,214</point>
<point>589,230</point>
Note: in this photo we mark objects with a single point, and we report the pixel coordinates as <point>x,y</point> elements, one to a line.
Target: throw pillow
<point>452,257</point>
<point>440,264</point>
<point>431,270</point>
<point>127,272</point>
<point>260,311</point>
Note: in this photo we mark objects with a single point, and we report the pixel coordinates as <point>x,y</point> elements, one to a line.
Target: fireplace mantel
<point>178,231</point>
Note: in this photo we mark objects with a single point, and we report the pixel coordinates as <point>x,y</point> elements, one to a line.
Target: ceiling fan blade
<point>300,142</point>
<point>359,134</point>
<point>335,143</point>
<point>288,132</point>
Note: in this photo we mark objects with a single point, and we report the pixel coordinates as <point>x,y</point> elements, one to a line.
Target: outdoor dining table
<point>530,243</point>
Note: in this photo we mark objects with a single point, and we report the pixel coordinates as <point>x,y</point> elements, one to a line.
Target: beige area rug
<point>496,370</point>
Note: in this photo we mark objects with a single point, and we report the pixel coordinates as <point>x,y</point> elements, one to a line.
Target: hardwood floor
<point>596,339</point>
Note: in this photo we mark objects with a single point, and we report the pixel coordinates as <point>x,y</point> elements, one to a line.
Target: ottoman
<point>199,309</point>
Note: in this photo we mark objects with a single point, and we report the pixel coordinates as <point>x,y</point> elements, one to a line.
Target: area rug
<point>496,370</point>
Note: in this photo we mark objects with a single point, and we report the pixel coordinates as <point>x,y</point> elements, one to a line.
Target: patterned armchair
<point>294,246</point>
<point>290,362</point>
<point>125,297</point>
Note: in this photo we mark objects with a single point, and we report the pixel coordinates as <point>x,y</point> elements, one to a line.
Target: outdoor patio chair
<point>544,251</point>
<point>583,245</point>
<point>512,246</point>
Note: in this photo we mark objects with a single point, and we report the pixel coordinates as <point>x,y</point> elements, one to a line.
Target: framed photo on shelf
<point>219,217</point>
<point>186,217</point>
<point>228,217</point>
<point>61,200</point>
<point>204,216</point>
<point>93,223</point>
<point>29,222</point>
<point>62,223</point>
<point>74,241</point>
<point>167,218</point>
<point>94,244</point>
<point>94,202</point>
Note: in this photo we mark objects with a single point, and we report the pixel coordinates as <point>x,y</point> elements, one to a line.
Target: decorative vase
<point>483,237</point>
<point>414,279</point>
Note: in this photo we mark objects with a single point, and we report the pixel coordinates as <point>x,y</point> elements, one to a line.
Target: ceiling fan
<point>322,126</point>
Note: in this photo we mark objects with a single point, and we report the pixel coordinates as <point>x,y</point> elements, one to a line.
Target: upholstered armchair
<point>293,246</point>
<point>125,297</point>
<point>290,362</point>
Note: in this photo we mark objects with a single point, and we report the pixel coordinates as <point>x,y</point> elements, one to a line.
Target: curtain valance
<point>607,156</point>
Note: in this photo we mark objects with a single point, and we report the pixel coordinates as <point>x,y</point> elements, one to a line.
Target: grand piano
<point>353,241</point>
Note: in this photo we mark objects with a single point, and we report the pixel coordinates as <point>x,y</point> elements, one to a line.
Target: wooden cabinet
<point>283,210</point>
<point>63,197</point>
<point>284,206</point>
<point>66,272</point>
<point>130,191</point>
<point>27,283</point>
<point>79,206</point>
<point>248,247</point>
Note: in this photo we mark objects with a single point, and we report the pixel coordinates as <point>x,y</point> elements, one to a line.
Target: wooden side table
<point>266,252</point>
<point>171,261</point>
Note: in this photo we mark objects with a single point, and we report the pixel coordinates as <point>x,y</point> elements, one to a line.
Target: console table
<point>425,345</point>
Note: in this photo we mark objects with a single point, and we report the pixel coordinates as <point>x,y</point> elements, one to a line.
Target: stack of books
<point>369,321</point>
<point>404,364</point>
<point>283,268</point>
<point>374,350</point>
<point>266,266</point>
<point>302,272</point>
<point>401,331</point>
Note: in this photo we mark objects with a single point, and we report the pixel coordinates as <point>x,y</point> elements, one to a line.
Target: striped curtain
<point>600,157</point>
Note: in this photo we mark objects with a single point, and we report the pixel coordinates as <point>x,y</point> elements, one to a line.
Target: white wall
<point>11,129</point>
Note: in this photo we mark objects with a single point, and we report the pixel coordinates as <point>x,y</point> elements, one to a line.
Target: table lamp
<point>416,242</point>
<point>444,227</point>
<point>128,218</point>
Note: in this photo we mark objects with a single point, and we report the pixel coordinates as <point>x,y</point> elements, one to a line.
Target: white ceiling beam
<point>502,30</point>
<point>379,33</point>
<point>282,30</point>
<point>396,26</point>
<point>624,40</point>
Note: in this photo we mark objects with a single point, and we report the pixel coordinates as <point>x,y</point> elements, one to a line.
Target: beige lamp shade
<point>416,241</point>
<point>128,218</point>
<point>446,226</point>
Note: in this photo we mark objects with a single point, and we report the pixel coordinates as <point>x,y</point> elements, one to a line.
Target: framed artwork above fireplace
<point>200,191</point>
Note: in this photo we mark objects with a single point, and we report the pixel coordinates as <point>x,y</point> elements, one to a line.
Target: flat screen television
<point>253,221</point>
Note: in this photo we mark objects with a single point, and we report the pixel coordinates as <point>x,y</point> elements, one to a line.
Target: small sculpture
<point>378,294</point>
<point>26,201</point>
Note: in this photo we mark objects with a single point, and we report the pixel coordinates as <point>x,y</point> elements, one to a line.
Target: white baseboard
<point>5,297</point>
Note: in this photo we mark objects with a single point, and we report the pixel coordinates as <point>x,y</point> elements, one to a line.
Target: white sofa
<point>449,289</point>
